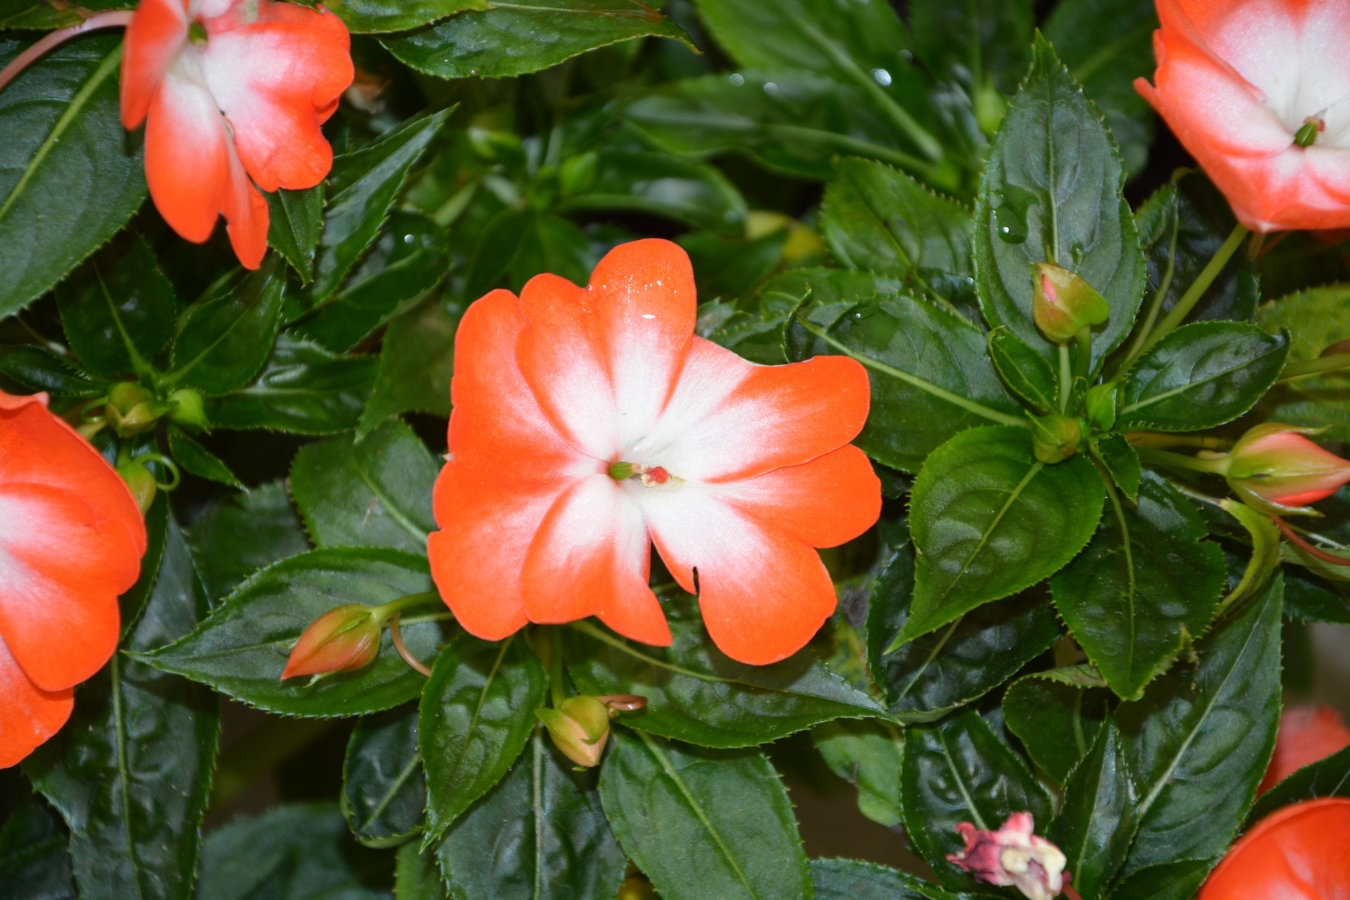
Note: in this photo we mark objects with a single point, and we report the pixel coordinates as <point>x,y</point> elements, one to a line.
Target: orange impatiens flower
<point>232,93</point>
<point>590,423</point>
<point>1306,735</point>
<point>1259,92</point>
<point>71,541</point>
<point>1300,852</point>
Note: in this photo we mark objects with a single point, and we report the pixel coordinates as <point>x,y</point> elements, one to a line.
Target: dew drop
<point>737,79</point>
<point>1010,213</point>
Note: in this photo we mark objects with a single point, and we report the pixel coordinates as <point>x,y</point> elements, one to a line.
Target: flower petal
<point>158,30</point>
<point>1299,852</point>
<point>246,215</point>
<point>28,714</point>
<point>187,164</point>
<point>604,360</point>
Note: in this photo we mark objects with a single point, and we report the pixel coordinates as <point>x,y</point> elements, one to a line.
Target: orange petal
<point>1307,734</point>
<point>157,32</point>
<point>1300,852</point>
<point>246,214</point>
<point>28,714</point>
<point>187,163</point>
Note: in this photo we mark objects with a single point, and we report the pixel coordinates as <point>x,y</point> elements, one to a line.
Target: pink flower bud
<point>1063,304</point>
<point>340,640</point>
<point>579,727</point>
<point>1013,855</point>
<point>1276,470</point>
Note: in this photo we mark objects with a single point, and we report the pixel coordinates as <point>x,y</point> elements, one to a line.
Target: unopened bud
<point>340,640</point>
<point>1063,304</point>
<point>141,482</point>
<point>132,409</point>
<point>188,408</point>
<point>1273,468</point>
<point>1101,405</point>
<point>1012,856</point>
<point>1055,438</point>
<point>579,727</point>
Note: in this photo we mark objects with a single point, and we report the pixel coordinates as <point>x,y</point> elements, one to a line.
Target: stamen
<point>1307,135</point>
<point>650,476</point>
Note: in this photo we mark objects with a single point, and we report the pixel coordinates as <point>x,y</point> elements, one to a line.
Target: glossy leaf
<point>1051,193</point>
<point>197,460</point>
<point>1122,463</point>
<point>866,754</point>
<point>541,832</point>
<point>1174,881</point>
<point>1096,823</point>
<point>1145,586</point>
<point>807,34</point>
<point>1198,742</point>
<point>69,176</point>
<point>696,693</point>
<point>1308,598</point>
<point>241,649</point>
<point>34,862</point>
<point>39,369</point>
<point>989,520</point>
<point>1200,376</point>
<point>1025,371</point>
<point>518,244</point>
<point>930,372</point>
<point>727,268</point>
<point>959,771</point>
<point>696,194</point>
<point>510,38</point>
<point>384,791</point>
<point>367,16</point>
<point>852,879</point>
<point>1056,715</point>
<point>296,221</point>
<point>703,823</point>
<point>224,338</point>
<point>372,493</point>
<point>981,44</point>
<point>1315,400</point>
<point>239,534</point>
<point>1328,777</point>
<point>476,716</point>
<point>131,774</point>
<point>416,361</point>
<point>416,876</point>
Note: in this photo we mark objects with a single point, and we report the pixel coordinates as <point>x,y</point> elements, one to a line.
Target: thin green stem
<point>1314,366</point>
<point>1161,441</point>
<point>387,610</point>
<point>1201,284</point>
<point>1084,362</point>
<point>1065,378</point>
<point>1181,461</point>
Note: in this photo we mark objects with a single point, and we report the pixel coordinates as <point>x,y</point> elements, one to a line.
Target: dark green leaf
<point>511,38</point>
<point>703,823</point>
<point>696,194</point>
<point>981,44</point>
<point>131,773</point>
<point>197,460</point>
<point>989,520</point>
<point>1122,463</point>
<point>1198,742</point>
<point>34,862</point>
<point>304,390</point>
<point>1308,598</point>
<point>1174,881</point>
<point>383,789</point>
<point>1051,193</point>
<point>518,244</point>
<point>416,361</point>
<point>539,833</point>
<point>133,601</point>
<point>476,716</point>
<point>1147,584</point>
<point>1315,400</point>
<point>416,876</point>
<point>732,267</point>
<point>42,370</point>
<point>695,693</point>
<point>118,310</point>
<point>361,189</point>
<point>239,534</point>
<point>225,337</point>
<point>1096,822</point>
<point>1328,777</point>
<point>375,493</point>
<point>852,879</point>
<point>1056,715</point>
<point>1200,376</point>
<point>70,175</point>
<point>930,372</point>
<point>242,647</point>
<point>867,755</point>
<point>291,853</point>
<point>960,771</point>
<point>1025,371</point>
<point>296,223</point>
<point>373,16</point>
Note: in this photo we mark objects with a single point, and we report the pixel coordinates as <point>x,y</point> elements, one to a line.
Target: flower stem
<point>1065,378</point>
<point>1314,366</point>
<point>413,662</point>
<point>1181,461</point>
<point>113,18</point>
<point>1161,441</point>
<point>385,611</point>
<point>1198,287</point>
<point>1317,552</point>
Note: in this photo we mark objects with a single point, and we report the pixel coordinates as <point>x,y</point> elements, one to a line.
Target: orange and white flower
<point>233,94</point>
<point>1299,852</point>
<point>590,422</point>
<point>71,541</point>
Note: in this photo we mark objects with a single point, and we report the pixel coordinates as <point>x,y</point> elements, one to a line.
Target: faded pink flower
<point>1014,856</point>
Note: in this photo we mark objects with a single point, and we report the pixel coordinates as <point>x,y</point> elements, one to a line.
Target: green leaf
<point>541,832</point>
<point>34,862</point>
<point>416,876</point>
<point>131,773</point>
<point>1056,716</point>
<point>197,460</point>
<point>695,693</point>
<point>1145,586</point>
<point>291,853</point>
<point>867,755</point>
<point>70,176</point>
<point>239,534</point>
<point>882,220</point>
<point>1121,461</point>
<point>416,361</point>
<point>242,647</point>
<point>42,370</point>
<point>304,389</point>
<point>118,310</point>
<point>1107,45</point>
<point>853,879</point>
<point>407,260</point>
<point>1328,777</point>
<point>981,44</point>
<point>361,189</point>
<point>375,16</point>
<point>224,338</point>
<point>1096,822</point>
<point>959,771</point>
<point>476,716</point>
<point>694,193</point>
<point>1174,881</point>
<point>989,520</point>
<point>375,493</point>
<point>1310,599</point>
<point>930,372</point>
<point>1198,742</point>
<point>518,244</point>
<point>1314,400</point>
<point>132,602</point>
<point>1025,371</point>
<point>703,823</point>
<point>928,677</point>
<point>295,226</point>
<point>509,38</point>
<point>383,789</point>
<point>1200,376</point>
<point>1051,193</point>
<point>732,267</point>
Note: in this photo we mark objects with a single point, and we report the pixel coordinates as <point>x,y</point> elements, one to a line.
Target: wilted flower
<point>1300,852</point>
<point>1014,856</point>
<point>1275,469</point>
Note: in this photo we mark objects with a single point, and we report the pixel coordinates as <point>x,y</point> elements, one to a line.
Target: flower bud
<point>141,482</point>
<point>1063,304</point>
<point>1014,856</point>
<point>1274,469</point>
<point>1055,438</point>
<point>132,409</point>
<point>1101,405</point>
<point>188,408</point>
<point>579,727</point>
<point>340,640</point>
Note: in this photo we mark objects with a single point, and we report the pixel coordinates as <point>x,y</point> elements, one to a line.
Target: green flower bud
<point>1101,406</point>
<point>1064,304</point>
<point>188,409</point>
<point>579,727</point>
<point>132,409</point>
<point>1055,438</point>
<point>141,482</point>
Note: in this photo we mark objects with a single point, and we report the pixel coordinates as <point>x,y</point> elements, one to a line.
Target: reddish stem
<point>402,649</point>
<point>1070,892</point>
<point>1297,539</point>
<point>113,18</point>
